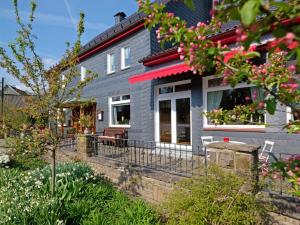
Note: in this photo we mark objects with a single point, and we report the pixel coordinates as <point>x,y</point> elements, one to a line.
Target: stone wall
<point>239,158</point>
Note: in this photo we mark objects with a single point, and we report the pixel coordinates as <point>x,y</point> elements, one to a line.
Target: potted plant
<point>86,122</point>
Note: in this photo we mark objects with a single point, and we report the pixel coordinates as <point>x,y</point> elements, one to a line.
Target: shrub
<point>215,199</point>
<point>81,198</point>
<point>25,152</point>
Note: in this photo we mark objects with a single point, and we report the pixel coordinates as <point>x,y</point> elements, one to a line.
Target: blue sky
<point>56,23</point>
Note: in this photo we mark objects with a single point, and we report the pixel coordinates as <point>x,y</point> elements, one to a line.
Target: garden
<point>81,198</point>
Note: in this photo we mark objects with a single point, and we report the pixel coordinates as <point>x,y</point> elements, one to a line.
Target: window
<point>120,111</point>
<point>179,87</point>
<point>218,96</point>
<point>83,73</point>
<point>67,117</point>
<point>111,67</point>
<point>125,58</point>
<point>292,115</point>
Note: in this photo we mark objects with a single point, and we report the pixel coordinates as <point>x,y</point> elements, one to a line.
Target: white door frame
<point>170,96</point>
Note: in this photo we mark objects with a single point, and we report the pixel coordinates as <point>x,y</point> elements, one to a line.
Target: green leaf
<point>249,12</point>
<point>252,54</point>
<point>271,106</point>
<point>190,4</point>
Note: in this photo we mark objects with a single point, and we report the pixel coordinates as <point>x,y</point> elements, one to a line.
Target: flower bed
<point>81,198</point>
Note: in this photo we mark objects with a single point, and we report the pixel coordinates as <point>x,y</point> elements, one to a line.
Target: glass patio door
<point>165,118</point>
<point>183,118</point>
<point>174,120</point>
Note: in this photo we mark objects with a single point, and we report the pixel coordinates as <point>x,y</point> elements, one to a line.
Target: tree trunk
<point>53,170</point>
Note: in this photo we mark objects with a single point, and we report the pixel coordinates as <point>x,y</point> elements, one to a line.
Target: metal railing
<point>68,143</point>
<point>279,185</point>
<point>179,159</point>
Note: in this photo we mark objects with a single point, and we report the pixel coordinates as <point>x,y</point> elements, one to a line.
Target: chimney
<point>119,17</point>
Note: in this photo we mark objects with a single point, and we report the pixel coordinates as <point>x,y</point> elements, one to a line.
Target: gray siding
<point>199,14</point>
<point>105,86</point>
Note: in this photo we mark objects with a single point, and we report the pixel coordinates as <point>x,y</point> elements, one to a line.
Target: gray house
<point>156,97</point>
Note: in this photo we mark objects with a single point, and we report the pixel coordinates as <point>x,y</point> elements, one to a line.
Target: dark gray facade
<point>142,125</point>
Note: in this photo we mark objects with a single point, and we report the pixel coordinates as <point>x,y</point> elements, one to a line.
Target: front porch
<point>78,114</point>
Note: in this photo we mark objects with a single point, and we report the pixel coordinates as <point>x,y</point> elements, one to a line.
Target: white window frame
<point>171,96</point>
<point>289,115</point>
<point>123,66</point>
<point>206,89</point>
<point>82,73</point>
<point>109,61</point>
<point>117,103</point>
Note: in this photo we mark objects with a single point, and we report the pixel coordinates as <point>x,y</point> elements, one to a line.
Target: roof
<point>114,31</point>
<point>12,90</point>
<point>117,29</point>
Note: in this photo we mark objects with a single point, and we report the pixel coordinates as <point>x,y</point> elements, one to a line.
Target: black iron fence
<point>179,159</point>
<point>275,182</point>
<point>68,143</point>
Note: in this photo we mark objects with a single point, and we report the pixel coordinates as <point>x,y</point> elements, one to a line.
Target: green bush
<point>216,199</point>
<point>25,152</point>
<point>81,198</point>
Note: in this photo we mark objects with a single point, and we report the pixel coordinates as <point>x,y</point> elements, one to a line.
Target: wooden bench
<point>112,134</point>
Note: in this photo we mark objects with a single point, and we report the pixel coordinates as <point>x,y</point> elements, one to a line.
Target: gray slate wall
<point>105,86</point>
<point>200,13</point>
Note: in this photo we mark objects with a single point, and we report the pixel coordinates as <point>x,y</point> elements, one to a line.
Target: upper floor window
<point>125,57</point>
<point>111,66</point>
<point>83,73</point>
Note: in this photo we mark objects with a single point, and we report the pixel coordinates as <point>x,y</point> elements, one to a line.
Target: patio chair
<point>206,140</point>
<point>267,149</point>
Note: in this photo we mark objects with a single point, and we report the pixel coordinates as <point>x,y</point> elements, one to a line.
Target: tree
<point>204,55</point>
<point>50,87</point>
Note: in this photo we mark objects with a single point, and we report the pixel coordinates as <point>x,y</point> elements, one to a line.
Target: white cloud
<point>51,19</point>
<point>48,62</point>
<point>70,14</point>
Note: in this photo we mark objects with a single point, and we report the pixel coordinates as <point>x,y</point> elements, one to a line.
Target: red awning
<point>164,72</point>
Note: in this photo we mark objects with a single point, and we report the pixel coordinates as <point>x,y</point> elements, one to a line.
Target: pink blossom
<point>261,104</point>
<point>244,37</point>
<point>181,57</point>
<point>254,95</point>
<point>238,31</point>
<point>276,176</point>
<point>290,173</point>
<point>290,36</point>
<point>292,68</point>
<point>293,45</point>
<point>180,50</point>
<point>247,98</point>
